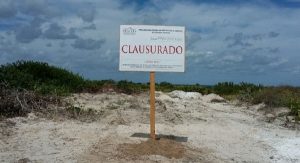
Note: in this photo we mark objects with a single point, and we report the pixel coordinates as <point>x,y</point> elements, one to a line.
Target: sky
<point>255,41</point>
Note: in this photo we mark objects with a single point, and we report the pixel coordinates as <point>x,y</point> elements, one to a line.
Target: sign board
<point>152,48</point>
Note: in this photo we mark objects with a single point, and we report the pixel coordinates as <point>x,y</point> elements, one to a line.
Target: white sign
<point>152,48</point>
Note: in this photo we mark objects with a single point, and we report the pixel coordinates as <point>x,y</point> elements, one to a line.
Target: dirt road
<point>193,129</point>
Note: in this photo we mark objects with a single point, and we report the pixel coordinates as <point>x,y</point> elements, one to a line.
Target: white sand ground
<point>216,132</point>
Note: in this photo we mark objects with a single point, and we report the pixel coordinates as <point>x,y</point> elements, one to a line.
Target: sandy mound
<point>211,97</point>
<point>184,95</point>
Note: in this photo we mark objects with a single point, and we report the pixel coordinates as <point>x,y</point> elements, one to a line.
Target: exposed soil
<point>193,128</point>
<point>164,147</point>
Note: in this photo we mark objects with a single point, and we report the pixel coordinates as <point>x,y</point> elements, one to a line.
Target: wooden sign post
<point>152,49</point>
<point>152,105</point>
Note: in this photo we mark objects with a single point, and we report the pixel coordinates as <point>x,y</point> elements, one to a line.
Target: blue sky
<point>254,41</point>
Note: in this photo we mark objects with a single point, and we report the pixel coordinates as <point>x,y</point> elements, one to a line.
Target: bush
<point>229,88</point>
<point>276,96</point>
<point>40,77</point>
<point>165,87</point>
<point>284,96</point>
<point>226,88</point>
<point>294,105</point>
<point>20,102</point>
<point>129,87</point>
<point>94,86</point>
<point>45,79</point>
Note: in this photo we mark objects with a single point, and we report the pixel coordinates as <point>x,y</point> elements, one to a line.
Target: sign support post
<point>152,105</point>
<point>152,48</point>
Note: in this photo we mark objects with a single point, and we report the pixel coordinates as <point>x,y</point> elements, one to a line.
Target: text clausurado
<point>151,49</point>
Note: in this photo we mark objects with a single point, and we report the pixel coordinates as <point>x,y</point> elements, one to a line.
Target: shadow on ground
<point>161,136</point>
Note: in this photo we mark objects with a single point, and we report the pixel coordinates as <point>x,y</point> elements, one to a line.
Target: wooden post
<point>152,105</point>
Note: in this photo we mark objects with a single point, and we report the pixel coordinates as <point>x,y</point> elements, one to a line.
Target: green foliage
<point>229,88</point>
<point>165,87</point>
<point>284,96</point>
<point>45,79</point>
<point>40,77</point>
<point>294,105</point>
<point>226,88</point>
<point>94,86</point>
<point>129,87</point>
<point>276,96</point>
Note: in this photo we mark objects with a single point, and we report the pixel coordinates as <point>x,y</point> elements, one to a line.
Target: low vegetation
<point>283,96</point>
<point>30,85</point>
<point>272,97</point>
<point>40,77</point>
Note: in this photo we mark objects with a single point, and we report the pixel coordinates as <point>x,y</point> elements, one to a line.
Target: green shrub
<point>129,87</point>
<point>294,105</point>
<point>45,89</point>
<point>40,77</point>
<point>229,88</point>
<point>276,96</point>
<point>45,79</point>
<point>226,88</point>
<point>165,87</point>
<point>283,96</point>
<point>94,86</point>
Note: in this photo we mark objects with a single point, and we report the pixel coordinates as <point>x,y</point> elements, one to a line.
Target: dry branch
<point>19,102</point>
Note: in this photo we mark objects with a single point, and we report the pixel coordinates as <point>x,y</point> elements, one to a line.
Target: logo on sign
<point>129,31</point>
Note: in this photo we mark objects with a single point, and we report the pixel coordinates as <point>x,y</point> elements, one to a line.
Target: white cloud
<point>272,32</point>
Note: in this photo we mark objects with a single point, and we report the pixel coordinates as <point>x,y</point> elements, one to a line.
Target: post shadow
<point>159,136</point>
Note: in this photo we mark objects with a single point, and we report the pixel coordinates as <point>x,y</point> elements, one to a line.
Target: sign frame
<point>157,69</point>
